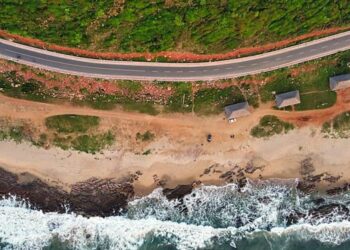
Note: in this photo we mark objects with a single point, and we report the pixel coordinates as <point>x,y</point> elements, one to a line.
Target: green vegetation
<point>270,125</point>
<point>147,152</point>
<point>181,100</point>
<point>339,127</point>
<point>15,86</point>
<point>72,123</point>
<point>78,132</point>
<point>147,136</point>
<point>145,108</point>
<point>14,133</point>
<point>19,132</point>
<point>312,81</point>
<point>108,102</point>
<point>213,100</point>
<point>141,25</point>
<point>317,100</point>
<point>93,143</point>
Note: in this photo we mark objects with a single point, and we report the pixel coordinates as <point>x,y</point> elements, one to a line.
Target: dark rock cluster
<point>94,197</point>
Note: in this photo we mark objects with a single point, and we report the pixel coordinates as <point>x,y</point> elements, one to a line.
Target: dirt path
<point>24,109</point>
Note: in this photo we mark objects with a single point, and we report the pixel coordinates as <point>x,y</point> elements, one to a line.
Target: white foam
<point>24,228</point>
<point>334,233</point>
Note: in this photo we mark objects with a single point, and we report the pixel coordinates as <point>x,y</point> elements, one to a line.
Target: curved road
<point>174,71</point>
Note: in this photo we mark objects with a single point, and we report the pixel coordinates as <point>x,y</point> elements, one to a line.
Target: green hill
<point>202,26</point>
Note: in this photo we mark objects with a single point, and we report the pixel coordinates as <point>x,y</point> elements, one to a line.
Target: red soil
<point>71,86</point>
<point>172,56</point>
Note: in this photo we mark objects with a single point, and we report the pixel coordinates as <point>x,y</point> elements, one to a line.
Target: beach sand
<point>179,154</point>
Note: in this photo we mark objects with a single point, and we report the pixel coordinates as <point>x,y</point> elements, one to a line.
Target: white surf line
<point>69,64</point>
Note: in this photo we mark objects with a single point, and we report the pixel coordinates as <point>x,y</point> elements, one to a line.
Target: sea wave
<point>207,218</point>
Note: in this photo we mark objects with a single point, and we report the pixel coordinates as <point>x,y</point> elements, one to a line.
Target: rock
<point>325,210</point>
<point>94,197</point>
<point>100,197</point>
<point>306,187</point>
<point>338,190</point>
<point>294,217</point>
<point>319,201</point>
<point>178,192</point>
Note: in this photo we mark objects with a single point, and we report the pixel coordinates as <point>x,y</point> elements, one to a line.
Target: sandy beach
<point>277,157</point>
<point>179,153</point>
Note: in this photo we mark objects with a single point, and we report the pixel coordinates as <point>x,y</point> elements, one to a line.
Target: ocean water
<point>209,218</point>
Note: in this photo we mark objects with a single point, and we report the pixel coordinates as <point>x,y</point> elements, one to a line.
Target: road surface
<point>174,71</point>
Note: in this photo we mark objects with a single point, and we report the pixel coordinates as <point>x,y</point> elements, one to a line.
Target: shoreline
<point>33,173</point>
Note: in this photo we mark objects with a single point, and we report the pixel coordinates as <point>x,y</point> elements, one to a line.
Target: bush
<point>147,136</point>
<point>270,125</point>
<point>72,123</point>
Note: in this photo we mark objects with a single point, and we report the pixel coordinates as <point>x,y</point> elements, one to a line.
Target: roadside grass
<point>132,87</point>
<point>70,123</point>
<point>280,82</point>
<point>140,25</point>
<point>181,100</point>
<point>212,101</point>
<point>270,125</point>
<point>311,79</point>
<point>15,86</point>
<point>339,127</point>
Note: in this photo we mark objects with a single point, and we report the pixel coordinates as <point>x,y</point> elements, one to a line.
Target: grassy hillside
<point>156,25</point>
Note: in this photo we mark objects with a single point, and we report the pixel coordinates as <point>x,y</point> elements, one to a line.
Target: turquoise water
<point>208,218</point>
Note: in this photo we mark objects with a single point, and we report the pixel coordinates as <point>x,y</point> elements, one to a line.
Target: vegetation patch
<point>213,100</point>
<point>201,26</point>
<point>181,100</point>
<point>147,136</point>
<point>270,125</point>
<point>317,100</point>
<point>78,132</point>
<point>93,143</point>
<point>16,86</point>
<point>145,108</point>
<point>72,123</point>
<point>339,127</point>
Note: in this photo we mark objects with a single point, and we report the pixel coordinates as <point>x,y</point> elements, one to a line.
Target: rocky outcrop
<point>94,197</point>
<point>178,192</point>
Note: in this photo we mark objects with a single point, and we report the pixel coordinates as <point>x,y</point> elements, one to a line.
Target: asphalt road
<point>175,71</point>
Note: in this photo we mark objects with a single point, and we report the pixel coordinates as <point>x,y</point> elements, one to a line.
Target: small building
<point>287,99</point>
<point>236,110</point>
<point>339,82</point>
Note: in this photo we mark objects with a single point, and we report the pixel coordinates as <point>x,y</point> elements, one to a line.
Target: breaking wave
<point>257,217</point>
